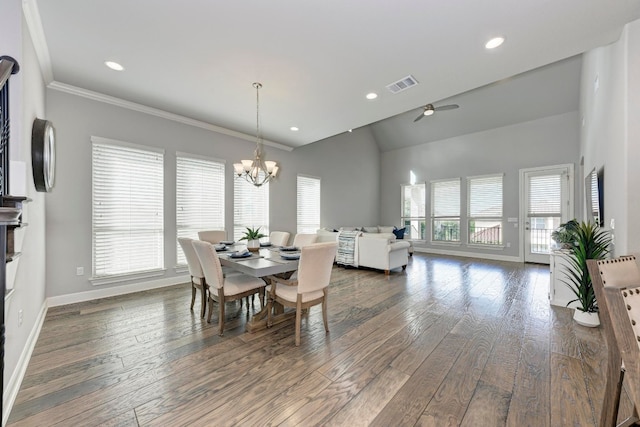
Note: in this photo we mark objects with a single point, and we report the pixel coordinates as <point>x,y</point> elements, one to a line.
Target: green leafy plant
<point>589,242</point>
<point>252,234</point>
<point>564,235</point>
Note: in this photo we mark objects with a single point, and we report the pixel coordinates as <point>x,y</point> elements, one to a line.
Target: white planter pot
<point>253,244</point>
<point>590,320</point>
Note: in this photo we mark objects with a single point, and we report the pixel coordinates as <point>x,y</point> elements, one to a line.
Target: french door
<point>547,200</point>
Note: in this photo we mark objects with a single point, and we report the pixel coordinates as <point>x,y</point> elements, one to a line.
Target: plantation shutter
<point>308,196</point>
<point>127,217</point>
<point>250,207</point>
<point>485,197</point>
<point>545,195</point>
<point>199,197</point>
<point>445,198</point>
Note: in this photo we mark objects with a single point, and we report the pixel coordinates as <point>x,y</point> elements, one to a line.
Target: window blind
<point>485,196</point>
<point>308,196</point>
<point>250,207</point>
<point>127,217</point>
<point>199,197</point>
<point>545,195</point>
<point>445,198</point>
<point>414,203</point>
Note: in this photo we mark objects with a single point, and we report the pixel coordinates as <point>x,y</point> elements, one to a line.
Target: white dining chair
<point>212,236</point>
<point>301,240</point>
<point>195,270</point>
<point>311,286</point>
<point>221,288</point>
<point>279,238</point>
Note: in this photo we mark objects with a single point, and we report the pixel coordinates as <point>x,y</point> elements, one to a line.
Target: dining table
<point>265,262</point>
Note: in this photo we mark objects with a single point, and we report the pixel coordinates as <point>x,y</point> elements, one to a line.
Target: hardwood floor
<point>450,341</point>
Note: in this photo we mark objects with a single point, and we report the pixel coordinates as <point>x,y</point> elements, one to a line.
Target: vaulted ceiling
<point>318,59</point>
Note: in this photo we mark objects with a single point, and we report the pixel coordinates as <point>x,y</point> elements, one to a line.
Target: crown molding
<point>118,102</point>
<point>34,24</point>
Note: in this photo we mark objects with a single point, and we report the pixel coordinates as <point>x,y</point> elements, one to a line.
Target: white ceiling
<point>318,59</point>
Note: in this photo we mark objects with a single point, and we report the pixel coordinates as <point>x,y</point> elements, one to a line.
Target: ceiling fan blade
<point>447,107</point>
<point>419,117</point>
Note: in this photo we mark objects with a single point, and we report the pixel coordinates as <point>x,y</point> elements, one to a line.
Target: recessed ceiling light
<point>372,95</point>
<point>494,42</point>
<point>114,65</point>
<point>294,129</point>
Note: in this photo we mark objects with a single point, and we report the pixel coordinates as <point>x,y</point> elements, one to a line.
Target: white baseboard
<point>13,386</point>
<point>493,257</point>
<point>115,291</point>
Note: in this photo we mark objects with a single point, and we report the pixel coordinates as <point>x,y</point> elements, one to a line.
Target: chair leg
<point>324,313</point>
<point>204,300</point>
<point>221,316</point>
<point>298,320</point>
<point>386,272</point>
<point>210,308</point>
<point>269,309</point>
<point>193,293</point>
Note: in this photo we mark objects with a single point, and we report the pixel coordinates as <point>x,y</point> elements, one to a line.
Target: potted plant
<point>563,235</point>
<point>252,236</point>
<point>589,242</point>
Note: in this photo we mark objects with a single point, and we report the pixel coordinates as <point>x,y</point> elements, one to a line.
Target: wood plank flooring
<point>449,341</point>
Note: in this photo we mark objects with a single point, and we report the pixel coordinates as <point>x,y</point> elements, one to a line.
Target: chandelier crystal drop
<point>257,171</point>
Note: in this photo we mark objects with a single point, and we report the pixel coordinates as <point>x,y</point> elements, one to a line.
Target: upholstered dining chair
<point>301,240</point>
<point>311,286</point>
<point>195,270</point>
<point>212,236</point>
<point>279,238</point>
<point>221,288</point>
<point>616,283</point>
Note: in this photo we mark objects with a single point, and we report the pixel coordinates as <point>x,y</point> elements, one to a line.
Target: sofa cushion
<point>370,229</point>
<point>385,229</point>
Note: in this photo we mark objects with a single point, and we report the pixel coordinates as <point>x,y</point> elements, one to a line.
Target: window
<point>413,210</point>
<point>127,217</point>
<point>485,210</point>
<point>199,197</point>
<point>545,210</point>
<point>308,204</point>
<point>445,210</point>
<point>250,207</point>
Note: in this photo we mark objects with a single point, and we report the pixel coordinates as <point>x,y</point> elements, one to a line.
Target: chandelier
<point>257,171</point>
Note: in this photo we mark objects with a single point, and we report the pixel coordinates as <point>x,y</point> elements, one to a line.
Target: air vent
<point>402,84</point>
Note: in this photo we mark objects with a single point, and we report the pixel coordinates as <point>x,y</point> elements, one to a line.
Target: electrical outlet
<point>79,271</point>
<point>20,317</point>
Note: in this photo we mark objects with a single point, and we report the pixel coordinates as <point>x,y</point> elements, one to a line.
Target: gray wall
<point>347,164</point>
<point>610,135</point>
<point>550,141</point>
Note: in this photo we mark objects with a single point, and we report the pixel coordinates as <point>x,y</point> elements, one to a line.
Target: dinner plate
<point>227,242</point>
<point>290,256</point>
<point>289,248</point>
<point>220,248</point>
<point>237,255</point>
<point>265,244</point>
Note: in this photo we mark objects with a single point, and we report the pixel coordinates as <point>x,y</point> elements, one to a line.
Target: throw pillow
<point>399,232</point>
<point>370,229</point>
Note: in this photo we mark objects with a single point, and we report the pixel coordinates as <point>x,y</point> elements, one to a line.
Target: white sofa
<point>375,250</point>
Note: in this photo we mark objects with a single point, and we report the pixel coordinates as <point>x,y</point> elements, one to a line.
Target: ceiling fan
<point>429,109</point>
